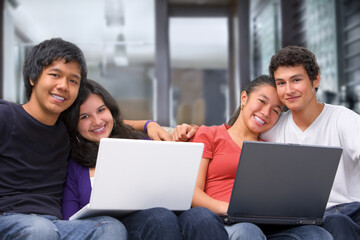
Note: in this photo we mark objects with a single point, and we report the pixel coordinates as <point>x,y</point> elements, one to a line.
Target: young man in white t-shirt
<point>297,77</point>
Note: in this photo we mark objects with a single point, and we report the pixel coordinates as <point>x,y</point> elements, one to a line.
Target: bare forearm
<point>152,129</point>
<point>201,199</point>
<point>136,124</point>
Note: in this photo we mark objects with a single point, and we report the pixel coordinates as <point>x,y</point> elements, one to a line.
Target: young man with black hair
<point>297,76</point>
<point>34,148</point>
<point>308,121</point>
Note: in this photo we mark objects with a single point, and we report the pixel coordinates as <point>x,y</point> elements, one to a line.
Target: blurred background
<point>178,61</point>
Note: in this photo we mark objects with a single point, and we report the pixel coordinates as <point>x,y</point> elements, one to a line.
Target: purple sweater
<point>77,189</point>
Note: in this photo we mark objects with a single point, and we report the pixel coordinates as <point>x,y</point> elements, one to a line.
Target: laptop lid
<point>132,175</point>
<point>282,183</point>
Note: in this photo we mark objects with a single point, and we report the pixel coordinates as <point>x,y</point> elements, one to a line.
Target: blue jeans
<point>249,231</point>
<point>153,223</point>
<point>161,223</point>
<point>246,231</point>
<point>43,227</point>
<point>200,223</point>
<point>301,233</point>
<point>343,221</point>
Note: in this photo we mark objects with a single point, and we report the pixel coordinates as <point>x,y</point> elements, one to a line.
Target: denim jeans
<point>343,221</point>
<point>152,224</point>
<point>249,231</point>
<point>43,227</point>
<point>246,231</point>
<point>200,223</point>
<point>301,233</point>
<point>160,223</point>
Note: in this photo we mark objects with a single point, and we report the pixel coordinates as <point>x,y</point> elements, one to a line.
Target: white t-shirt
<point>335,126</point>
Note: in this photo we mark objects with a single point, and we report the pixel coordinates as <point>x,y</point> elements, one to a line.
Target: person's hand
<point>184,132</point>
<point>223,208</point>
<point>157,133</point>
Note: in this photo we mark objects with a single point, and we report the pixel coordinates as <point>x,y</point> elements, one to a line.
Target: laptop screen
<point>283,180</point>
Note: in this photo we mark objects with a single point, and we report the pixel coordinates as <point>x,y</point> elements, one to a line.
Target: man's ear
<point>31,82</point>
<point>316,82</point>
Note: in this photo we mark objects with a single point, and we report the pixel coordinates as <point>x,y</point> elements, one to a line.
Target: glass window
<point>320,25</point>
<point>199,70</point>
<point>116,36</point>
<point>265,37</point>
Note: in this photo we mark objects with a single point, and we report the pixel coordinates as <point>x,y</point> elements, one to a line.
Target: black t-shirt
<point>33,161</point>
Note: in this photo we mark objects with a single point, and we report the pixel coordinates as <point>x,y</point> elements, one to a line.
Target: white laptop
<point>133,175</point>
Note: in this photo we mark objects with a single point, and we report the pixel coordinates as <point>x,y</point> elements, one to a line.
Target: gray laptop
<point>282,183</point>
<point>133,175</point>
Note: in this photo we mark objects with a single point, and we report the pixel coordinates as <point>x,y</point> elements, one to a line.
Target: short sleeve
<point>205,135</point>
<point>349,133</point>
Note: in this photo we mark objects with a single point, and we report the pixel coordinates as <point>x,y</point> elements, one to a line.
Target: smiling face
<point>261,110</point>
<point>55,90</point>
<point>95,120</point>
<point>295,88</point>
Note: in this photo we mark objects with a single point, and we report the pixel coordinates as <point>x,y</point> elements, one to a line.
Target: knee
<point>154,220</point>
<point>244,231</point>
<point>201,223</point>
<point>201,216</point>
<point>110,228</point>
<point>153,223</point>
<point>303,232</point>
<point>159,216</point>
<point>339,226</point>
<point>38,228</point>
<point>335,220</point>
<point>318,233</point>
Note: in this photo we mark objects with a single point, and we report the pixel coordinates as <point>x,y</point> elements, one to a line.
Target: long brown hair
<point>82,150</point>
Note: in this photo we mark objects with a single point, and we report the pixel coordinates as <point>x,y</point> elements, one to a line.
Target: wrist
<point>146,125</point>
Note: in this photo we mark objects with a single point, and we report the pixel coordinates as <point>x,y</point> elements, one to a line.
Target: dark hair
<point>82,150</point>
<point>295,56</point>
<point>249,88</point>
<point>44,54</point>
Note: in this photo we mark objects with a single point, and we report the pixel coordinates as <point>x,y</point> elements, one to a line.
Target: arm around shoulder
<point>184,132</point>
<point>151,128</point>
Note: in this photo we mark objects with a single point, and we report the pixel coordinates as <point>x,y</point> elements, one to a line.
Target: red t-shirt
<point>224,155</point>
